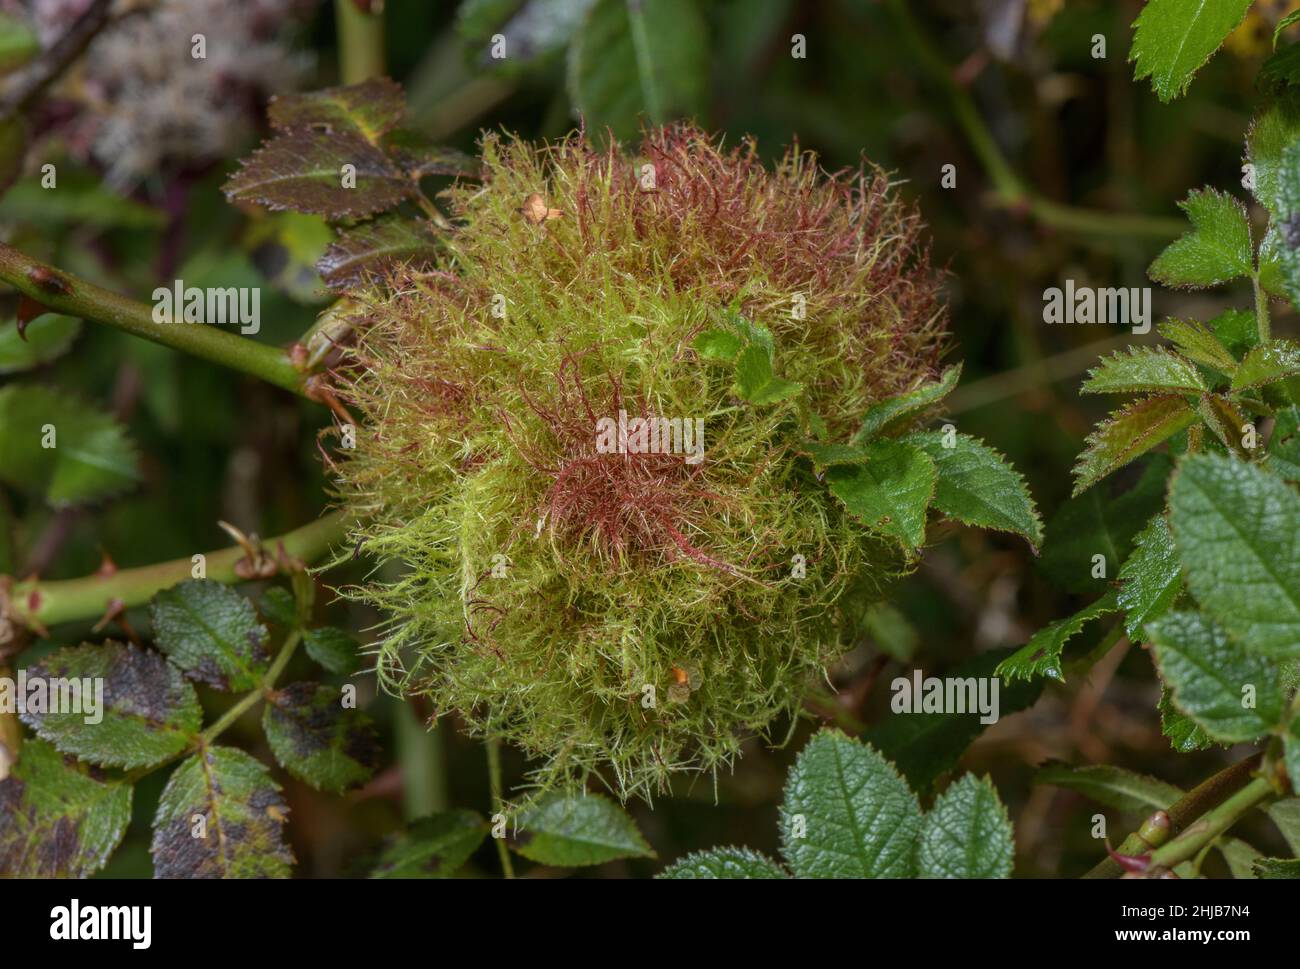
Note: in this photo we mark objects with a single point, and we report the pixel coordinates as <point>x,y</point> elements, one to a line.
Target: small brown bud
<point>49,280</point>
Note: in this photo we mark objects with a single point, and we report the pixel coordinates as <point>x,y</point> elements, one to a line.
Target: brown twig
<point>51,64</point>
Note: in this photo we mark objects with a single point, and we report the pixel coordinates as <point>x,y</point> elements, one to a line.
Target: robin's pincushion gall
<point>635,609</point>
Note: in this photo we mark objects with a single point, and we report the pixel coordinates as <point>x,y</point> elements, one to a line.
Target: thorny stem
<point>1201,800</point>
<point>64,293</point>
<point>1010,190</point>
<point>36,604</point>
<point>1212,824</point>
<point>361,39</point>
<point>494,780</point>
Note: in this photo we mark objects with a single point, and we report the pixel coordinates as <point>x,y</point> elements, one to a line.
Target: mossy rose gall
<point>630,610</point>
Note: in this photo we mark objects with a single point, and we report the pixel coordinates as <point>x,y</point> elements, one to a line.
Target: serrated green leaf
<point>571,832</point>
<point>143,709</point>
<point>1283,450</point>
<point>718,345</point>
<point>303,171</point>
<point>1129,433</point>
<point>47,338</point>
<point>967,834</point>
<point>1236,329</point>
<point>856,815</point>
<point>1283,459</point>
<point>369,110</point>
<point>1143,370</point>
<point>1114,787</point>
<point>832,455</point>
<point>1041,656</point>
<point>896,412</point>
<point>1271,132</point>
<point>1235,529</point>
<point>1101,521</point>
<point>1184,734</point>
<point>1225,420</point>
<point>58,818</point>
<point>890,492</point>
<point>91,457</point>
<point>1174,38</point>
<point>925,746</point>
<point>1207,673</point>
<point>724,863</point>
<point>220,816</point>
<point>1285,224</point>
<point>1150,578</point>
<point>318,740</point>
<point>433,847</point>
<point>1218,248</point>
<point>1277,868</point>
<point>755,380</point>
<point>977,487</point>
<point>334,649</point>
<point>212,633</point>
<point>1199,344</point>
<point>1281,69</point>
<point>1267,363</point>
<point>371,247</point>
<point>1269,257</point>
<point>628,60</point>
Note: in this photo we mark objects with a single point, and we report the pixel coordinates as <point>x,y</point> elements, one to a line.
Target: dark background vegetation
<point>1075,129</point>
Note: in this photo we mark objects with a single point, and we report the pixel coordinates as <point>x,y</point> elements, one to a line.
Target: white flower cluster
<point>180,80</point>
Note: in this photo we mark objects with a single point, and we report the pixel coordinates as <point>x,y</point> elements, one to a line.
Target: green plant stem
<point>1212,824</point>
<point>67,294</point>
<point>36,604</point>
<point>361,42</point>
<point>282,659</point>
<point>1095,655</point>
<point>423,762</point>
<point>1009,189</point>
<point>1263,325</point>
<point>1199,801</point>
<point>494,781</point>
